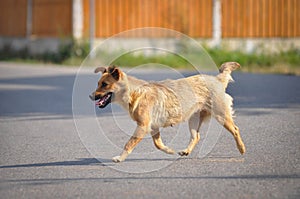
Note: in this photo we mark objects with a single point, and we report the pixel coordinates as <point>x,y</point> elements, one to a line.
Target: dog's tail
<point>225,72</point>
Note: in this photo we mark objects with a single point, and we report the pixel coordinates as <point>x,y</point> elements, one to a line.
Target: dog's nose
<point>92,97</point>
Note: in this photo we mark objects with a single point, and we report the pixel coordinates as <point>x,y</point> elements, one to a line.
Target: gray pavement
<point>44,156</point>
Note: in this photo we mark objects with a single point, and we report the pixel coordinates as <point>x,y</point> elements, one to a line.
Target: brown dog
<point>166,103</point>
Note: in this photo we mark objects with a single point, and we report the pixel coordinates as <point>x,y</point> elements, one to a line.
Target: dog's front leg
<point>138,135</point>
<point>159,143</point>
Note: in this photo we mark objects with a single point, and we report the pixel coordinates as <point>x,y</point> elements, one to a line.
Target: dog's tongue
<point>103,100</point>
<point>100,102</point>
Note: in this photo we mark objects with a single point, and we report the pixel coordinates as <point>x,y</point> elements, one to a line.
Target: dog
<point>153,105</point>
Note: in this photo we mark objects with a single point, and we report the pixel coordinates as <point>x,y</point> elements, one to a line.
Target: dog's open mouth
<point>104,100</point>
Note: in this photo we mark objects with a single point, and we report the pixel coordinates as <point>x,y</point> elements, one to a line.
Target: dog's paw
<point>242,149</point>
<point>117,159</point>
<point>183,153</point>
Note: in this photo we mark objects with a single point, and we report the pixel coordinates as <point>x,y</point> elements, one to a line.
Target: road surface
<point>47,153</point>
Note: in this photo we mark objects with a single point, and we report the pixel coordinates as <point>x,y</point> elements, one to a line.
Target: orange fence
<point>240,18</point>
<point>13,17</point>
<point>192,17</point>
<point>49,18</point>
<point>260,18</point>
<point>52,18</point>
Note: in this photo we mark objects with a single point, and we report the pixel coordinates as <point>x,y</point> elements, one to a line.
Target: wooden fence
<point>260,18</point>
<point>52,18</point>
<point>49,18</point>
<point>13,17</point>
<point>192,17</point>
<point>240,18</point>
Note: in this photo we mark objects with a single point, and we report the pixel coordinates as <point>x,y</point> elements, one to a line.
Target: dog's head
<point>107,85</point>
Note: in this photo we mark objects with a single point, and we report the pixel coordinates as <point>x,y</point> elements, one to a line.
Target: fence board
<point>13,15</point>
<point>260,18</point>
<point>52,18</point>
<point>192,17</point>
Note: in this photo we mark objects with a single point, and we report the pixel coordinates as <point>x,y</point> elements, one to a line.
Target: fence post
<point>29,19</point>
<point>77,16</point>
<point>217,17</point>
<point>92,26</point>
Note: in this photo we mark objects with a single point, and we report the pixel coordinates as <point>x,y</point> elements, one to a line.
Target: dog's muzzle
<point>92,97</point>
<point>103,100</point>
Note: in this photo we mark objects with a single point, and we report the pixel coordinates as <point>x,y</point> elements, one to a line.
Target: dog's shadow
<point>78,162</point>
<point>81,162</point>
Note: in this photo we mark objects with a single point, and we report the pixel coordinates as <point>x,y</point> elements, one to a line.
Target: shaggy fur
<point>166,103</point>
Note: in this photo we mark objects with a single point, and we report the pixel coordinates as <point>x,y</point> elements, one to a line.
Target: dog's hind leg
<point>159,143</point>
<point>223,113</point>
<point>234,130</point>
<point>194,125</point>
<point>226,120</point>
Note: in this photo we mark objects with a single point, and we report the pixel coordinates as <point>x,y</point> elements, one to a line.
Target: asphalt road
<point>46,152</point>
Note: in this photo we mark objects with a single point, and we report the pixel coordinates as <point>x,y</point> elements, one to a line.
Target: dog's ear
<point>100,69</point>
<point>111,68</point>
<point>115,72</point>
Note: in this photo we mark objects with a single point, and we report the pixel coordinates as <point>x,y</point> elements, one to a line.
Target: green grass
<point>285,62</point>
<point>172,60</point>
<point>291,57</point>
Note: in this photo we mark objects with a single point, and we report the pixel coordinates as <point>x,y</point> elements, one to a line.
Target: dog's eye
<point>103,84</point>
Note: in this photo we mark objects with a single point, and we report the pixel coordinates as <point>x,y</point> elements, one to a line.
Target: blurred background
<point>263,35</point>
